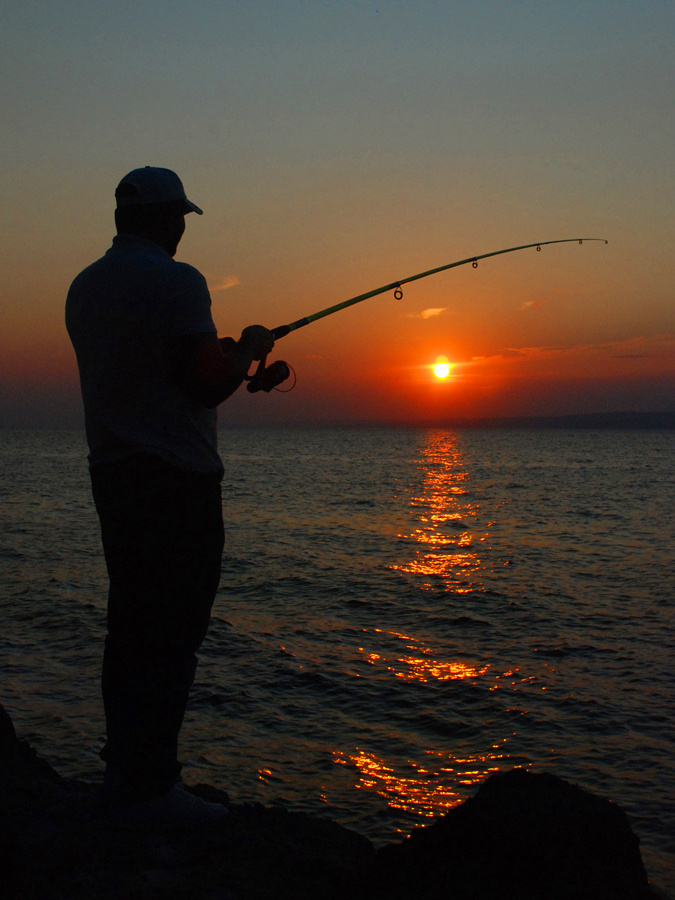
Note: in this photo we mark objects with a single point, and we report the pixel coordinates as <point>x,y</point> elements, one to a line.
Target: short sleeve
<point>191,302</point>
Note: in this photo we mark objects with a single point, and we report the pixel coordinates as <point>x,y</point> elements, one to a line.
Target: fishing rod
<point>266,378</point>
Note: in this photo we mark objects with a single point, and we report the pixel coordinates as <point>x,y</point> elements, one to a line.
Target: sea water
<point>401,613</point>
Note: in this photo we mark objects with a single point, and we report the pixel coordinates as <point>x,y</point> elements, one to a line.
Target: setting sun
<point>441,367</point>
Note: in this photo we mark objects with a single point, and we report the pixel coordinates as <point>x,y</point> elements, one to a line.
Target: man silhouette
<point>152,371</point>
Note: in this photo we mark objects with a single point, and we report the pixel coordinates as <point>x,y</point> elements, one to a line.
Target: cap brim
<point>192,207</point>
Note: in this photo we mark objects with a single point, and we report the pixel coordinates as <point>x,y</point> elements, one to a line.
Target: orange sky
<point>334,151</point>
<point>514,349</point>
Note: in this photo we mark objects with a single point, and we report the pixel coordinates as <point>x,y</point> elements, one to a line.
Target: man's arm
<point>212,368</point>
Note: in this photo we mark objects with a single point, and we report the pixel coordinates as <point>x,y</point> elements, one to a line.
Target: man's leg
<point>163,539</point>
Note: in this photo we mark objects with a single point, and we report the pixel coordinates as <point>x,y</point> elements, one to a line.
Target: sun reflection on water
<point>421,663</point>
<point>421,669</point>
<point>442,778</point>
<point>428,788</point>
<point>448,545</point>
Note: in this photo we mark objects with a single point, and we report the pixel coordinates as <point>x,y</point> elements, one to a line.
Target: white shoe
<point>176,808</point>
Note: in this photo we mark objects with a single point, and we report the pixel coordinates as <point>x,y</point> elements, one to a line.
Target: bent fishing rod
<point>266,379</point>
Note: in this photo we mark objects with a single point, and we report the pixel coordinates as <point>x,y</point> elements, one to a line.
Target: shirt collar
<point>134,242</point>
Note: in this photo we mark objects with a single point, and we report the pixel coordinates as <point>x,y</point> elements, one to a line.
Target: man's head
<point>151,203</point>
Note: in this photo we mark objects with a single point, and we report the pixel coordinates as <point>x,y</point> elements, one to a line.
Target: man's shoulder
<point>90,274</point>
<point>149,256</point>
<point>187,273</point>
<point>137,258</point>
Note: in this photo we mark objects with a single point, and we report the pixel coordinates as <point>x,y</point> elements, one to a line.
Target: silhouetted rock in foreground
<point>522,836</point>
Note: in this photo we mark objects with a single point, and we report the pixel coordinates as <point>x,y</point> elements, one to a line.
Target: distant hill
<point>615,420</point>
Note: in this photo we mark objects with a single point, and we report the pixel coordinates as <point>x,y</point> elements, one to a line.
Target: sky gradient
<point>339,146</point>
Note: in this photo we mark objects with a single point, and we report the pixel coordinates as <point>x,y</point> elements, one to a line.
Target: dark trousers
<point>162,532</point>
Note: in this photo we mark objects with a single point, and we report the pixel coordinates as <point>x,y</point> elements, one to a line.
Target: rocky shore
<point>521,837</point>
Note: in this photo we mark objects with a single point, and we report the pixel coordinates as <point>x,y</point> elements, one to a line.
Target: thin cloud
<point>559,294</point>
<point>660,346</point>
<point>225,283</point>
<point>428,313</point>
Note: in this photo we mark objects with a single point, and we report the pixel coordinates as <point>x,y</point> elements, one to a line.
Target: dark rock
<point>522,835</point>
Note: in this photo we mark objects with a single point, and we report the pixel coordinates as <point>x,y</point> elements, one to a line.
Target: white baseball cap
<point>154,185</point>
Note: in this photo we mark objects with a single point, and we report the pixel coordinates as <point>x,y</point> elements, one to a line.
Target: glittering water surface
<point>401,613</point>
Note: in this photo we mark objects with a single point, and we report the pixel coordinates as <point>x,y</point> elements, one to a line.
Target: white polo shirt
<point>124,314</point>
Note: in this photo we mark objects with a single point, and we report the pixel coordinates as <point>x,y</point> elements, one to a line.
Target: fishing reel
<point>268,378</point>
